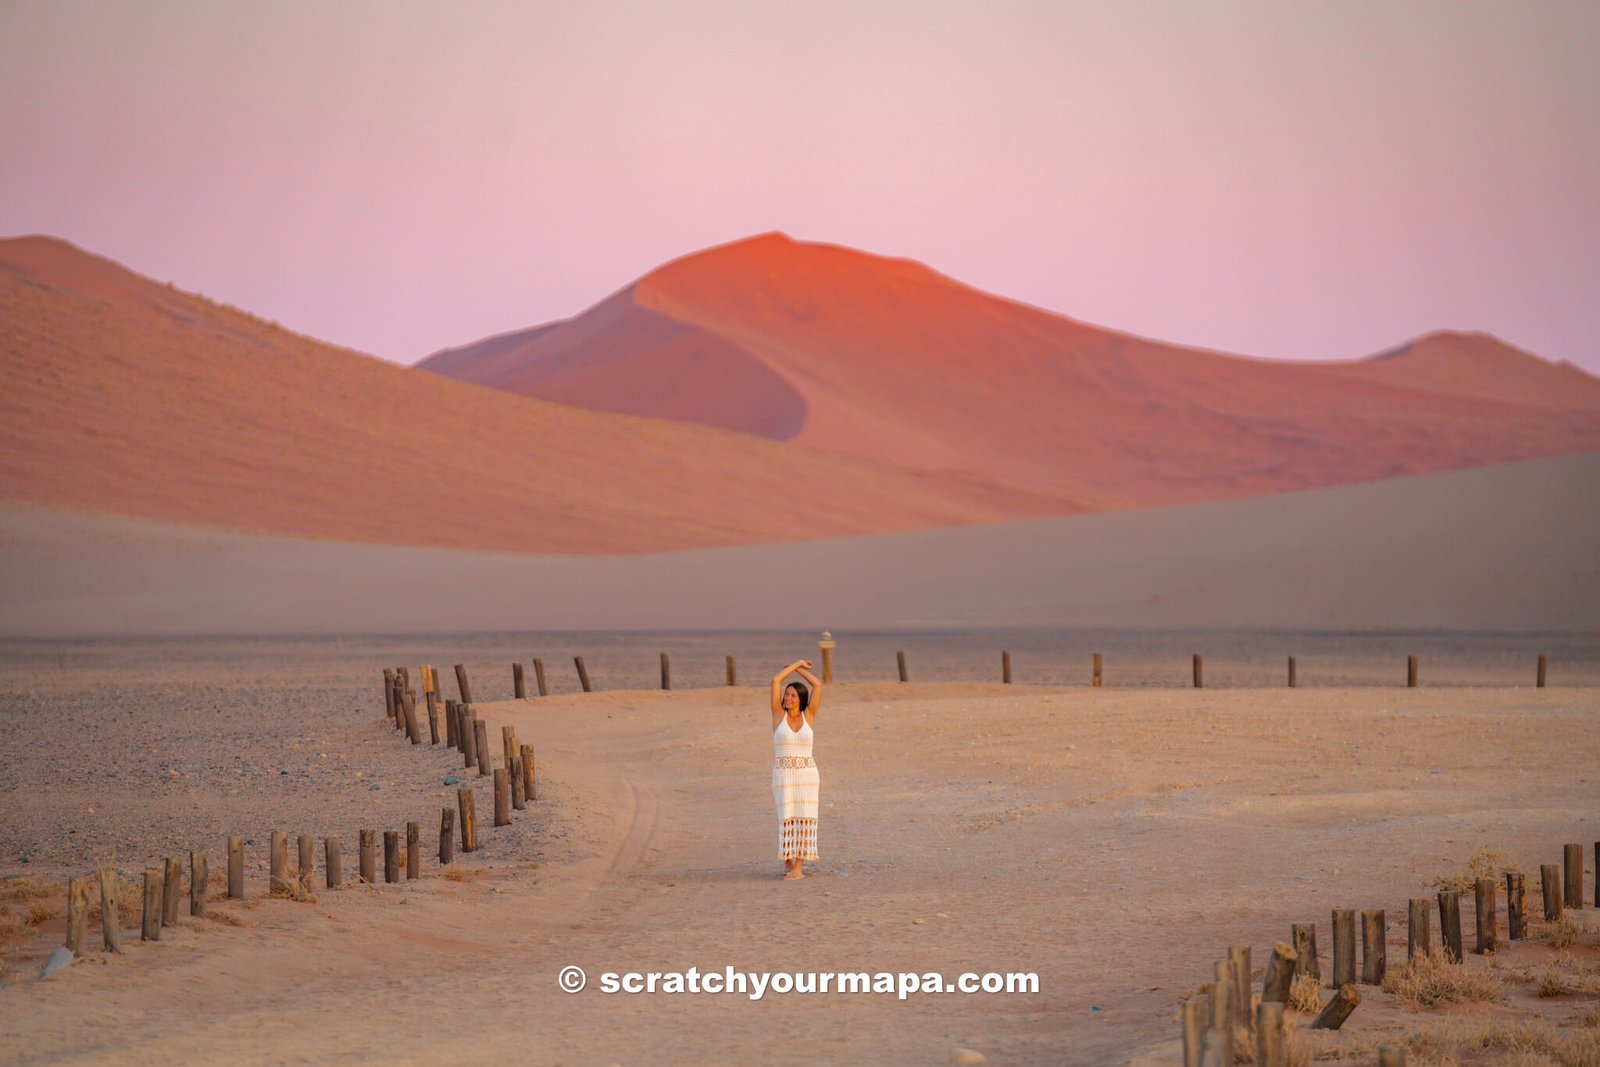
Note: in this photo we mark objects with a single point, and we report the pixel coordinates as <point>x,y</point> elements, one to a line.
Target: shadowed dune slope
<point>889,359</point>
<point>133,398</point>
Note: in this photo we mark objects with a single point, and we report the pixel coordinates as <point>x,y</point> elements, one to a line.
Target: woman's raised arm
<point>803,669</point>
<point>777,691</point>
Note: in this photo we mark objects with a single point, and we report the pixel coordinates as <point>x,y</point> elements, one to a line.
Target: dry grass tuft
<point>41,912</point>
<point>1305,995</point>
<point>10,925</point>
<point>1567,1048</point>
<point>1563,933</point>
<point>1589,1016</point>
<point>1485,862</point>
<point>226,918</point>
<point>291,889</point>
<point>30,887</point>
<point>1430,979</point>
<point>456,874</point>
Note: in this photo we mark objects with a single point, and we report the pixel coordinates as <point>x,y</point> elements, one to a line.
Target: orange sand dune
<point>134,398</point>
<point>830,347</point>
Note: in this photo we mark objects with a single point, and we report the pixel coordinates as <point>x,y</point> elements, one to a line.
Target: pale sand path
<point>1113,841</point>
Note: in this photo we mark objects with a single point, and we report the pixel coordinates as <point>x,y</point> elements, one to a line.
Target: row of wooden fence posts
<point>1208,1028</point>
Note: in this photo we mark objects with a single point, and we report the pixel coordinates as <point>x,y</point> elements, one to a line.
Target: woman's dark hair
<point>804,693</point>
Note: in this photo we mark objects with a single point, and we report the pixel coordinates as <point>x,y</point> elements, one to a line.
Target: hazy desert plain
<point>1112,841</point>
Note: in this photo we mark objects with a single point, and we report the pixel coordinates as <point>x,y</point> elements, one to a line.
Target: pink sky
<point>1297,180</point>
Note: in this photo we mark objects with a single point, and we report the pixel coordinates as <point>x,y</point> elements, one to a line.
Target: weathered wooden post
<point>508,744</point>
<point>1199,672</point>
<point>433,717</point>
<point>333,861</point>
<point>1222,1014</point>
<point>502,797</point>
<point>391,856</point>
<point>538,676</point>
<point>1411,672</point>
<point>1305,950</point>
<point>519,788</point>
<point>826,647</point>
<point>1193,1032</point>
<point>469,821</point>
<point>1450,924</point>
<point>1344,946</point>
<point>413,851</point>
<point>583,674</point>
<point>1272,1048</point>
<point>1099,662</point>
<point>150,928</point>
<point>1539,679</point>
<point>461,683</point>
<point>171,890</point>
<point>77,914</point>
<point>480,740</point>
<point>900,659</point>
<point>1239,963</point>
<point>447,827</point>
<point>1486,920</point>
<point>278,860</point>
<point>666,672</point>
<point>1280,974</point>
<point>388,692</point>
<point>308,864</point>
<point>469,736</point>
<point>1516,907</point>
<point>519,688</point>
<point>530,779</point>
<point>450,739</point>
<point>1417,928</point>
<point>430,684</point>
<point>1374,949</point>
<point>1597,874</point>
<point>369,857</point>
<point>1550,882</point>
<point>408,705</point>
<point>1291,673</point>
<point>733,675</point>
<point>199,892</point>
<point>1005,667</point>
<point>110,927</point>
<point>1337,1010</point>
<point>1572,856</point>
<point>236,867</point>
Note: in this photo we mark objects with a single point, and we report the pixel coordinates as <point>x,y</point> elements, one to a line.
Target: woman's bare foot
<point>794,875</point>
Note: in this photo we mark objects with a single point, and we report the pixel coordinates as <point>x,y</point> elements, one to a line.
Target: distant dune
<point>128,397</point>
<point>829,347</point>
<point>1500,548</point>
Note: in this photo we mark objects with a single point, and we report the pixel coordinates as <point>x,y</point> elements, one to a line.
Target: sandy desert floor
<point>1114,842</point>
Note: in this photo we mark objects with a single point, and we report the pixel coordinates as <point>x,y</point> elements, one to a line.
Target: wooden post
<point>150,928</point>
<point>1292,682</point>
<point>388,692</point>
<point>1239,964</point>
<point>1222,1015</point>
<point>1280,974</point>
<point>391,855</point>
<point>666,672</point>
<point>308,863</point>
<point>1597,874</point>
<point>1572,857</point>
<point>1005,667</point>
<point>1539,679</point>
<point>171,890</point>
<point>1305,951</point>
<point>1199,671</point>
<point>583,674</point>
<point>530,779</point>
<point>1099,662</point>
<point>369,857</point>
<point>538,676</point>
<point>469,821</point>
<point>110,927</point>
<point>900,658</point>
<point>1411,672</point>
<point>480,741</point>
<point>1374,949</point>
<point>519,688</point>
<point>1337,1010</point>
<point>1391,1056</point>
<point>429,683</point>
<point>1344,946</point>
<point>1417,933</point>
<point>1516,907</point>
<point>408,705</point>
<point>450,739</point>
<point>278,860</point>
<point>502,797</point>
<point>447,827</point>
<point>519,785</point>
<point>1550,882</point>
<point>1450,924</point>
<point>333,861</point>
<point>461,683</point>
<point>508,744</point>
<point>199,892</point>
<point>469,736</point>
<point>1272,1047</point>
<point>1487,921</point>
<point>1193,1032</point>
<point>413,851</point>
<point>236,868</point>
<point>733,675</point>
<point>826,646</point>
<point>77,914</point>
<point>433,717</point>
<point>1217,1049</point>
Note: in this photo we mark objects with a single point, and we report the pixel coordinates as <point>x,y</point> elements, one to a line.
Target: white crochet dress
<point>795,784</point>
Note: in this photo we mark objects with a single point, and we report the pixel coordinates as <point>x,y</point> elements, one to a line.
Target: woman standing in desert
<point>795,780</point>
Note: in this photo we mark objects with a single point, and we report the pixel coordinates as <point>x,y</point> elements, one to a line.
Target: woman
<point>794,772</point>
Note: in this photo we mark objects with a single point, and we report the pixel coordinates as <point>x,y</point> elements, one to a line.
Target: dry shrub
<point>10,925</point>
<point>41,912</point>
<point>226,918</point>
<point>29,887</point>
<point>1305,995</point>
<point>1563,933</point>
<point>1589,1016</point>
<point>1430,979</point>
<point>1565,1047</point>
<point>291,889</point>
<point>1485,862</point>
<point>456,874</point>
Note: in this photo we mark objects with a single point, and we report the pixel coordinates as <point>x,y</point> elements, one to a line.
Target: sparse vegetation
<point>1563,933</point>
<point>291,889</point>
<point>1430,979</point>
<point>456,874</point>
<point>1485,862</point>
<point>41,912</point>
<point>1305,995</point>
<point>29,887</point>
